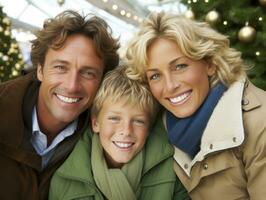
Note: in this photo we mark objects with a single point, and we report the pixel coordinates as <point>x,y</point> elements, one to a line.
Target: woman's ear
<point>211,68</point>
<point>95,125</point>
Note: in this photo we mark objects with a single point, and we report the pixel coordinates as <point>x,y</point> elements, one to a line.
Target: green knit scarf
<point>115,183</point>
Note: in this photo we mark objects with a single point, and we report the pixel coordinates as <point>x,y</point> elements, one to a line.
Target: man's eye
<point>60,67</point>
<point>89,74</point>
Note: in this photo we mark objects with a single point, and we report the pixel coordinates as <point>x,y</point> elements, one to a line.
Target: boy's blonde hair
<point>196,40</point>
<point>116,86</point>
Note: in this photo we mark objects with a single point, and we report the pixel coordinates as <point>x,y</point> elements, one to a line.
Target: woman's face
<point>177,82</point>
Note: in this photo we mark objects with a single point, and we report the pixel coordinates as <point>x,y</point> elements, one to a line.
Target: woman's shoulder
<point>254,104</point>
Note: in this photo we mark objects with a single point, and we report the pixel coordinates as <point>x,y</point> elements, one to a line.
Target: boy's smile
<point>122,129</point>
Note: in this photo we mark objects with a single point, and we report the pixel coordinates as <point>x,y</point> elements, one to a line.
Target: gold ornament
<point>17,66</point>
<point>189,14</point>
<point>10,51</point>
<point>5,58</point>
<point>212,17</point>
<point>7,33</point>
<point>262,2</point>
<point>60,2</point>
<point>14,73</point>
<point>6,21</point>
<point>247,34</point>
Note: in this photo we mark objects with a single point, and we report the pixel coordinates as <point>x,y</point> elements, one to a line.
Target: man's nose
<point>73,82</point>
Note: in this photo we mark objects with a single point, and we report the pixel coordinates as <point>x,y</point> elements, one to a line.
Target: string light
<point>257,53</point>
<point>128,14</point>
<point>122,12</point>
<point>114,7</point>
<point>206,1</point>
<point>260,18</point>
<point>225,23</point>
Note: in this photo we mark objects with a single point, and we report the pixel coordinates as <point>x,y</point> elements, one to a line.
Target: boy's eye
<point>114,119</point>
<point>139,122</point>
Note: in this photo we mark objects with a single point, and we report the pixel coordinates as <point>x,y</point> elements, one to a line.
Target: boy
<point>116,162</point>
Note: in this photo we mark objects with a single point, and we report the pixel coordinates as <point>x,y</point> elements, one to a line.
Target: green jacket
<point>74,179</point>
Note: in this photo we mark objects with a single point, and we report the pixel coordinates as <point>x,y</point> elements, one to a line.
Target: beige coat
<point>231,164</point>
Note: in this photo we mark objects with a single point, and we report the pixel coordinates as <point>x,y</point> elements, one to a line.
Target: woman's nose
<point>171,83</point>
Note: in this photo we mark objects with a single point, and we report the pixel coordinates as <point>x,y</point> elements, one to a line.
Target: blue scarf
<point>186,133</point>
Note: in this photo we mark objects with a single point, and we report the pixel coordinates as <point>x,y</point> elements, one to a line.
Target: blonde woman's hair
<point>196,40</point>
<point>117,87</point>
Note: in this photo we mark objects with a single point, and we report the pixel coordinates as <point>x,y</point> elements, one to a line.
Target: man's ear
<point>39,73</point>
<point>95,125</point>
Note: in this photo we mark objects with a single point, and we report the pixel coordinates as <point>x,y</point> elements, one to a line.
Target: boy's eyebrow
<point>116,112</point>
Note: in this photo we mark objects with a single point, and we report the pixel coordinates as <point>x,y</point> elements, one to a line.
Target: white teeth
<point>123,145</point>
<point>179,98</point>
<point>67,99</point>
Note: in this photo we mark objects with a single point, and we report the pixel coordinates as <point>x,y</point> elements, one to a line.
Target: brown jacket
<point>21,176</point>
<point>231,164</point>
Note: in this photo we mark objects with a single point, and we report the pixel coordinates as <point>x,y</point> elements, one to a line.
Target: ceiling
<point>123,16</point>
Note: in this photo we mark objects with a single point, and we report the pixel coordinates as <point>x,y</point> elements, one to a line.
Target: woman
<point>214,117</point>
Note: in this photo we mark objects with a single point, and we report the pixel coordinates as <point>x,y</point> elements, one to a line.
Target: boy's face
<point>122,129</point>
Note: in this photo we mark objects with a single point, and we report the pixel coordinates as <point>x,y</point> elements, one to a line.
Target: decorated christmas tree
<point>244,22</point>
<point>11,61</point>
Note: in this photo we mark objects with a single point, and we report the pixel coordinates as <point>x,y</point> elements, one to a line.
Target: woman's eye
<point>154,77</point>
<point>181,66</point>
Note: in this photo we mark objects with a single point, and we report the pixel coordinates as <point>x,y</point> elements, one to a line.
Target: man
<point>44,113</point>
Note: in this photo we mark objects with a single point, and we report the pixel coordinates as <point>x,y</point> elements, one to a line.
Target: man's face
<point>69,79</point>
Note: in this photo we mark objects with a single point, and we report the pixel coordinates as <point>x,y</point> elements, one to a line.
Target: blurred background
<point>243,21</point>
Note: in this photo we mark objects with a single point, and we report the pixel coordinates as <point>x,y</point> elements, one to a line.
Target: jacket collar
<point>13,122</point>
<point>16,107</point>
<point>157,146</point>
<point>78,166</point>
<point>225,128</point>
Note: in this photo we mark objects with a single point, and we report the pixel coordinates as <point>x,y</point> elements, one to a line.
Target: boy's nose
<point>127,128</point>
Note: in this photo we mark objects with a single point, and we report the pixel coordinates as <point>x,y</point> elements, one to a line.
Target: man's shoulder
<point>17,82</point>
